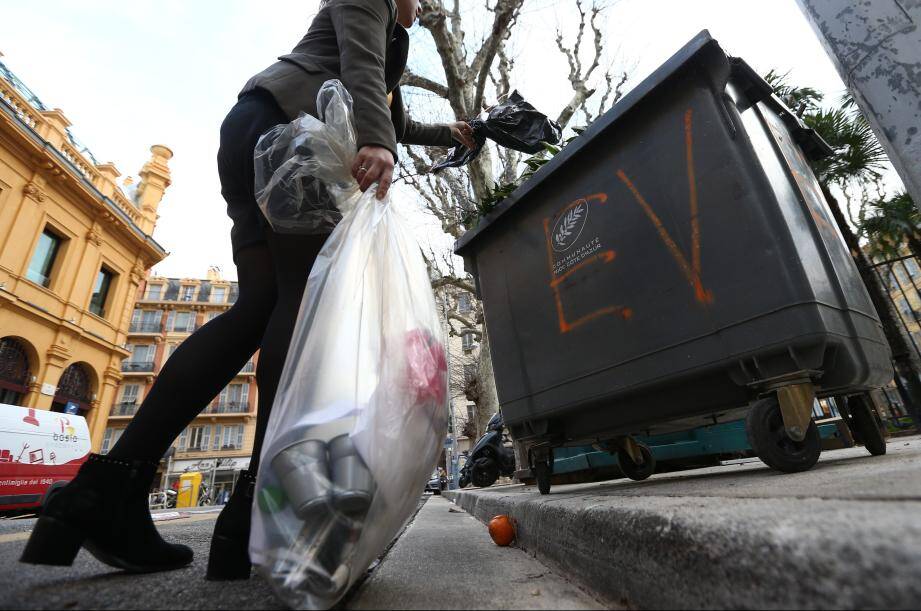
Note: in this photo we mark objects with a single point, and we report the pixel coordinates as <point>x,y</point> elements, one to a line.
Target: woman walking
<point>364,44</point>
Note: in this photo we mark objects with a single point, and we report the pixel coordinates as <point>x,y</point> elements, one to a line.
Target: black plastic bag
<point>513,124</point>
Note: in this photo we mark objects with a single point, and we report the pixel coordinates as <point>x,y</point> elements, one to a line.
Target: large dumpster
<point>675,262</point>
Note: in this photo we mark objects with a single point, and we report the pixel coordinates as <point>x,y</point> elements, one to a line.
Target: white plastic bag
<point>360,415</point>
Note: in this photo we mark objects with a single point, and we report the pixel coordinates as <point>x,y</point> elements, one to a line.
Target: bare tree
<point>471,73</point>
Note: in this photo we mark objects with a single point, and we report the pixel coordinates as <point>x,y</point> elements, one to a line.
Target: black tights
<point>272,277</point>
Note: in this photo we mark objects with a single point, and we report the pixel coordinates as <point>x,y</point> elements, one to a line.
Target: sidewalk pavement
<point>443,560</point>
<point>845,535</point>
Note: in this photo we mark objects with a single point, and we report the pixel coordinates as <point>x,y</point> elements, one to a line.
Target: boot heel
<point>52,543</point>
<point>229,559</point>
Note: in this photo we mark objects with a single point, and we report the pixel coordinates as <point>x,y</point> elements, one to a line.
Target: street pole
<point>876,47</point>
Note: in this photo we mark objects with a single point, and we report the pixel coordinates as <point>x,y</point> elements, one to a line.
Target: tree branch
<point>506,14</point>
<point>411,79</point>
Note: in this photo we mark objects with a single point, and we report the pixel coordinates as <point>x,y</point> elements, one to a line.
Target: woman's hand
<point>463,133</point>
<point>373,164</point>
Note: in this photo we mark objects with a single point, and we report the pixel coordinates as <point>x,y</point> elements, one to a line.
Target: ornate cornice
<point>33,191</point>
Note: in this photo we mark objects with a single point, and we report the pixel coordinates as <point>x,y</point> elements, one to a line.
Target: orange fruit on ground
<point>502,530</point>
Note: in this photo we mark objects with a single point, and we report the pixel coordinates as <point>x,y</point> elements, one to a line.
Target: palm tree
<point>858,158</point>
<point>894,222</point>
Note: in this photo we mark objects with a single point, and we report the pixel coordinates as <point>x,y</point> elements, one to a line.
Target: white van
<point>40,452</point>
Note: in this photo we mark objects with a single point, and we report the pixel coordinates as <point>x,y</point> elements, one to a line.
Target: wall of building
<point>48,183</point>
<point>166,312</point>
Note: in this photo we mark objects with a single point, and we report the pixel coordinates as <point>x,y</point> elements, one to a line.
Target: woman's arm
<point>438,135</point>
<point>361,33</point>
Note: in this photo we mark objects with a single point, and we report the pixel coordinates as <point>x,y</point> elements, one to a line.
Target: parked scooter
<point>489,458</point>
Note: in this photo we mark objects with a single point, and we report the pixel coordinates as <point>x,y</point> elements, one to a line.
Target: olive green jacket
<point>360,43</point>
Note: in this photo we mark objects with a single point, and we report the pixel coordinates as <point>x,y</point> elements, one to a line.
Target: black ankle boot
<point>229,558</point>
<point>104,509</point>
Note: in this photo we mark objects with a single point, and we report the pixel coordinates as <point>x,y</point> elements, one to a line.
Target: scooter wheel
<point>485,472</point>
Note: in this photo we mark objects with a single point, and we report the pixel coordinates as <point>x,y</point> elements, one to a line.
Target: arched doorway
<point>15,374</point>
<point>75,388</point>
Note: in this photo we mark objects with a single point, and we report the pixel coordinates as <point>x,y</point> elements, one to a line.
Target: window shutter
<point>218,432</point>
<point>239,442</point>
<point>205,437</point>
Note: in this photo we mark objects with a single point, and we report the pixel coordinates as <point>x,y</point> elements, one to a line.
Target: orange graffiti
<point>692,270</point>
<point>604,257</point>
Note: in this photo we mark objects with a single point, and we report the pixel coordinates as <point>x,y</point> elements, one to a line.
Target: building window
<point>195,439</point>
<point>42,263</point>
<point>146,321</point>
<point>234,399</point>
<point>471,410</point>
<point>912,266</point>
<point>130,393</point>
<point>228,437</point>
<point>155,292</point>
<point>218,294</point>
<point>188,292</point>
<point>469,372</point>
<point>469,341</point>
<point>142,358</point>
<point>109,440</point>
<point>463,303</point>
<point>181,322</point>
<point>213,315</point>
<point>101,292</point>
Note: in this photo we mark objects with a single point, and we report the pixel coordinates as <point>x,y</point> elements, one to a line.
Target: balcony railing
<point>189,328</point>
<point>145,327</point>
<point>138,366</point>
<point>229,407</point>
<point>126,408</point>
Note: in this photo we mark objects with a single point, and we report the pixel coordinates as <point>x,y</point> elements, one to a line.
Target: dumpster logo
<point>569,226</point>
<point>566,231</point>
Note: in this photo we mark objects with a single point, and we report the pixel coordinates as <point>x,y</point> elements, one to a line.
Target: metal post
<point>876,47</point>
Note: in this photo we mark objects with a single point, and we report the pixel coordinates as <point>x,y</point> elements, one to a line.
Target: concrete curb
<point>700,552</point>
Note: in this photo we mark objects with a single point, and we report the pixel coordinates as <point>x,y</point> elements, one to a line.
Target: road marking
<point>14,537</point>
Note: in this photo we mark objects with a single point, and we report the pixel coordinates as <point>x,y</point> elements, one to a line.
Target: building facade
<point>220,440</point>
<point>74,248</point>
<point>459,313</point>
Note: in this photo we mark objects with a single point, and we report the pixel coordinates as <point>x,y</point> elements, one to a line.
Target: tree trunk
<point>904,357</point>
<point>487,403</point>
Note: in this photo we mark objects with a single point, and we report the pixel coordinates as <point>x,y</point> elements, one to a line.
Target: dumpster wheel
<point>637,472</point>
<point>863,425</point>
<point>542,469</point>
<point>770,441</point>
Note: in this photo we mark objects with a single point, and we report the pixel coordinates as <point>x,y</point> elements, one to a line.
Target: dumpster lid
<point>654,80</point>
<point>754,88</point>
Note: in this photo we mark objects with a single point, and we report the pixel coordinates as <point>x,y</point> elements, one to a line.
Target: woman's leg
<point>204,363</point>
<point>293,257</point>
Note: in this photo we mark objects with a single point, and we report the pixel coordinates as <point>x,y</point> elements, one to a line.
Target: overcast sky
<point>132,74</point>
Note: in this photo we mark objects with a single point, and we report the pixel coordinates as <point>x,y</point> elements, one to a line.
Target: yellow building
<point>220,441</point>
<point>74,248</point>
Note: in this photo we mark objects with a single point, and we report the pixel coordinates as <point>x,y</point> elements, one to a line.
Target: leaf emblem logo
<point>569,226</point>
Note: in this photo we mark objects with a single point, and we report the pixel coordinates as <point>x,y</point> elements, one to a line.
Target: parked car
<point>40,452</point>
<point>436,483</point>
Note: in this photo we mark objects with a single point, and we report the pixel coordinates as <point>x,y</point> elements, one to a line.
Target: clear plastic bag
<point>360,415</point>
<point>302,167</point>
